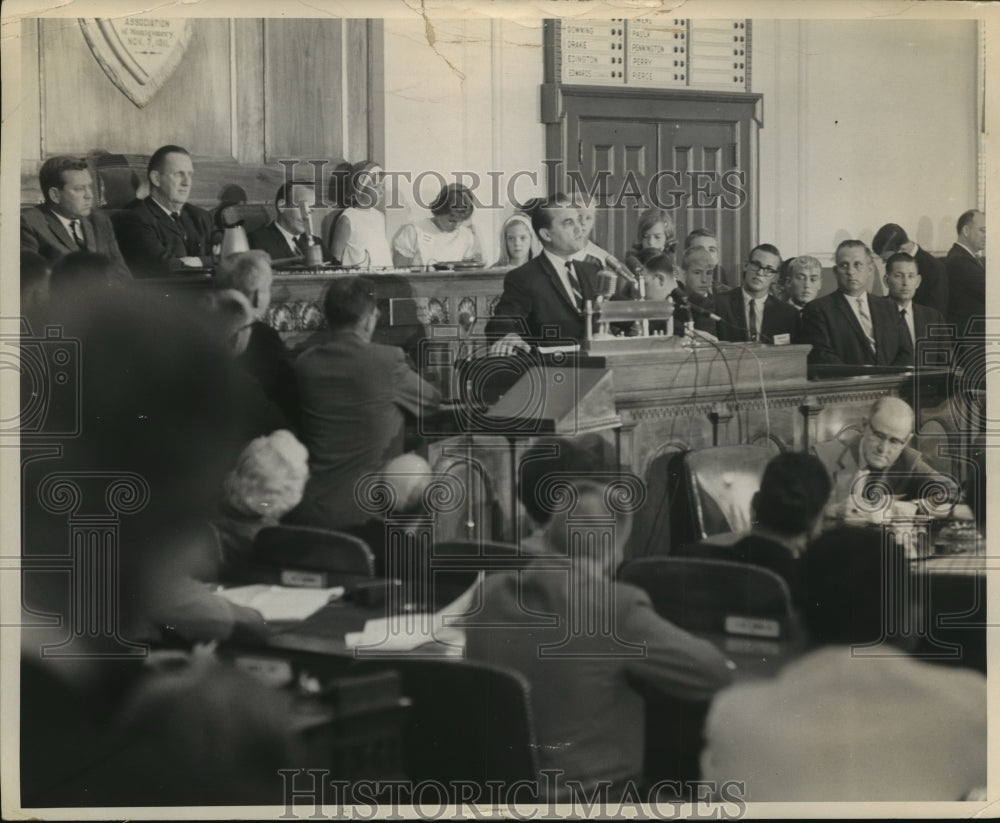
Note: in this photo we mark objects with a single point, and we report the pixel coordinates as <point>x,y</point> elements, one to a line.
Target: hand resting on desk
<point>509,344</point>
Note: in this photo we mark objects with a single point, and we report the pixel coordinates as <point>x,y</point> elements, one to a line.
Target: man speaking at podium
<point>544,298</point>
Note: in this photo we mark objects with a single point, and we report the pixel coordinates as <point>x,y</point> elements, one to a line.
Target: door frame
<point>563,105</point>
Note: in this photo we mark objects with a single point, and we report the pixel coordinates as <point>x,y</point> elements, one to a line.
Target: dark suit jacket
<point>270,239</point>
<point>779,318</point>
<point>924,316</point>
<point>150,239</point>
<point>933,289</point>
<point>830,325</point>
<point>966,286</point>
<point>268,360</point>
<point>43,233</point>
<point>352,396</point>
<point>756,550</point>
<point>535,305</point>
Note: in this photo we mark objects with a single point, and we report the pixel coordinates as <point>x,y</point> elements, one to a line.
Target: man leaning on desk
<point>878,461</point>
<point>163,234</point>
<point>544,298</point>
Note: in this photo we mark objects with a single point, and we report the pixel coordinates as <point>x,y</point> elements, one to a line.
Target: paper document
<point>281,602</point>
<point>406,633</point>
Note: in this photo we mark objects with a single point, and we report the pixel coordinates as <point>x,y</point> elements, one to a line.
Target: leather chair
<point>723,481</point>
<point>714,596</point>
<point>467,721</point>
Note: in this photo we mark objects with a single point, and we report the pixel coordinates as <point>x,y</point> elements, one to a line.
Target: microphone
<point>681,299</point>
<point>635,265</point>
<point>606,283</point>
<point>620,269</point>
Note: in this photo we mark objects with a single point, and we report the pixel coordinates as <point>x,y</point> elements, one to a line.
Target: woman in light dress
<point>447,236</point>
<point>359,237</point>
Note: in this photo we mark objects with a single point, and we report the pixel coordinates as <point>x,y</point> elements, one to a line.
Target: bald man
<point>880,453</point>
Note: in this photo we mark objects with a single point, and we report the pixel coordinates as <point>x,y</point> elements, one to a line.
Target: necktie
<point>175,216</point>
<point>906,326</point>
<point>866,321</point>
<point>574,285</point>
<point>752,325</point>
<point>77,233</point>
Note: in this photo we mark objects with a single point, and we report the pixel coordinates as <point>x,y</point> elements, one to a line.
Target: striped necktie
<point>77,233</point>
<point>574,285</point>
<point>866,321</point>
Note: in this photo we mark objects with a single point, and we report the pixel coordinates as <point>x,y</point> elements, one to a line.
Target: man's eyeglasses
<point>768,270</point>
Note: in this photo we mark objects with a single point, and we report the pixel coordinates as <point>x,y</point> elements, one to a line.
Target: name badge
<point>782,339</point>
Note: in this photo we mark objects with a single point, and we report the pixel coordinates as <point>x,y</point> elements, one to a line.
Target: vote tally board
<point>660,53</point>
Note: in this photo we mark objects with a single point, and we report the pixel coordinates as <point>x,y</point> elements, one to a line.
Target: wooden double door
<point>692,153</point>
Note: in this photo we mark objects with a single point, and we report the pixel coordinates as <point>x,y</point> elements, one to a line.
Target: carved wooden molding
<point>138,54</point>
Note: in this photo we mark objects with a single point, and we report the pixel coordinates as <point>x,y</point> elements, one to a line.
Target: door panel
<point>693,149</point>
<point>625,152</point>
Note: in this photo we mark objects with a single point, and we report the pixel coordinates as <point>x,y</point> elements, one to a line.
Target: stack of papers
<point>406,633</point>
<point>277,603</point>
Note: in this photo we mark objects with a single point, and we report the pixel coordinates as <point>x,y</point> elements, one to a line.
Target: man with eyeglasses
<point>866,466</point>
<point>851,326</point>
<point>751,314</point>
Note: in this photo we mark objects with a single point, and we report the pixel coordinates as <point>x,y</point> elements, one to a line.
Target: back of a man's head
<point>555,461</point>
<point>248,272</point>
<point>850,577</point>
<point>888,239</point>
<point>794,490</point>
<point>347,301</point>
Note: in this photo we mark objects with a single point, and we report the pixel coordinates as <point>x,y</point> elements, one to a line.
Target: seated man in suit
<point>286,236</point>
<point>966,267</point>
<point>865,467</point>
<point>858,718</point>
<point>787,514</point>
<point>933,289</point>
<point>352,394</point>
<point>751,314</point>
<point>802,278</point>
<point>266,356</point>
<point>590,720</point>
<point>851,326</point>
<point>67,221</point>
<point>902,282</point>
<point>544,299</point>
<point>163,234</point>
